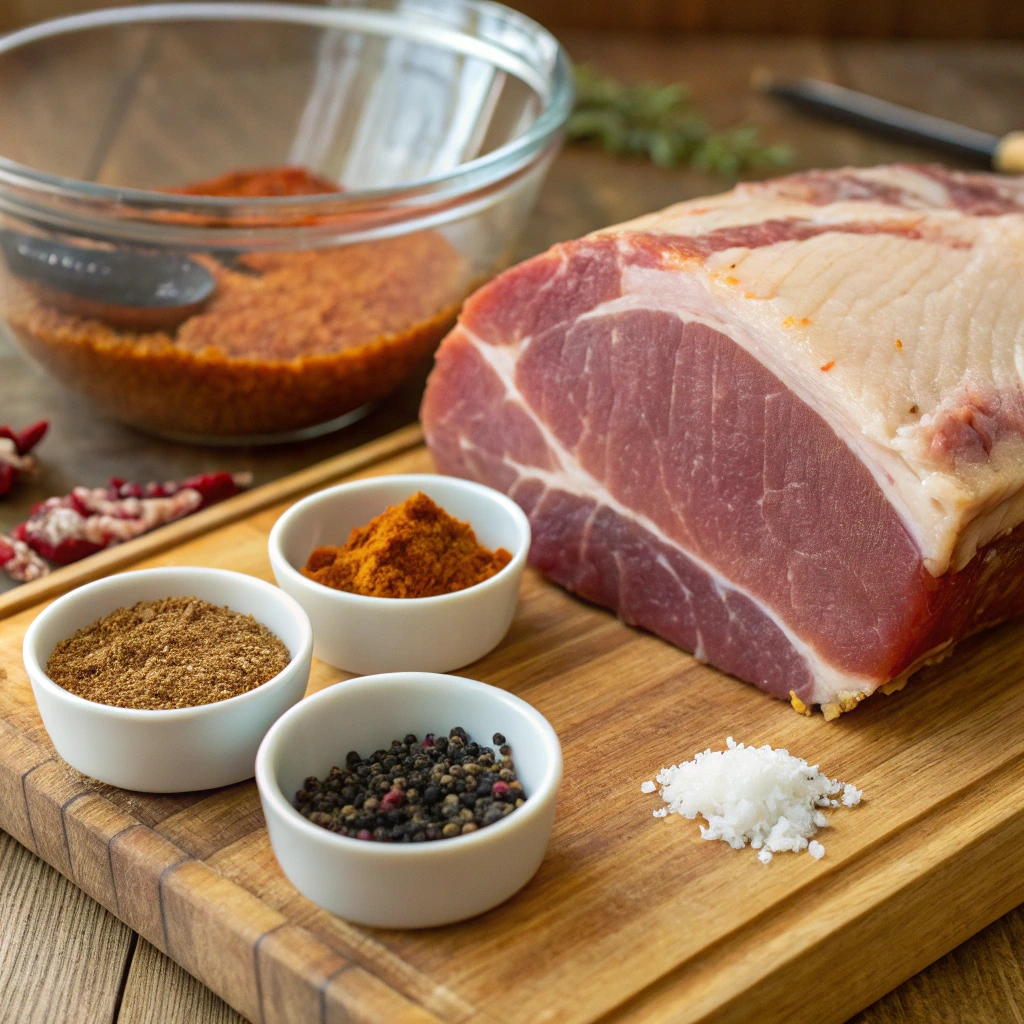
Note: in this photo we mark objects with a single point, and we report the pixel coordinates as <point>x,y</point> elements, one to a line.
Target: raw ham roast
<point>782,427</point>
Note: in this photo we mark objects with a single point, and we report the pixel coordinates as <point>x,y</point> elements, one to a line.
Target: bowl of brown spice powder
<point>271,227</point>
<point>411,572</point>
<point>166,680</point>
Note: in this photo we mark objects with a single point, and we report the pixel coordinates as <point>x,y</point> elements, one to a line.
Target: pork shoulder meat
<point>782,427</point>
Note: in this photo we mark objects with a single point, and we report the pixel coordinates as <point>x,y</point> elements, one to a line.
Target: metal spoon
<point>125,288</point>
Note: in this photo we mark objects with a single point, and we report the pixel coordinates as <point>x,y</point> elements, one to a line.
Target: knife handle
<point>1009,154</point>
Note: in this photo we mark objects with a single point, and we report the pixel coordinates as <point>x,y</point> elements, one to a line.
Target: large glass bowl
<point>437,119</point>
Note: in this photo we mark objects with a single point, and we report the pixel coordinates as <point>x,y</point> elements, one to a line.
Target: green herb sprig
<point>662,123</point>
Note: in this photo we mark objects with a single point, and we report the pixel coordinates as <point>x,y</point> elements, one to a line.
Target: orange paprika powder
<point>261,182</point>
<point>411,550</point>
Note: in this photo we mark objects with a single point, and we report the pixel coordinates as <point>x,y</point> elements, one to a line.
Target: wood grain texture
<point>38,908</point>
<point>629,919</point>
<point>980,982</point>
<point>158,991</point>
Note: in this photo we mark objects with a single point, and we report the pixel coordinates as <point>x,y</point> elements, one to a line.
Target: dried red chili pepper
<point>19,561</point>
<point>28,438</point>
<point>15,457</point>
<point>212,487</point>
<point>67,528</point>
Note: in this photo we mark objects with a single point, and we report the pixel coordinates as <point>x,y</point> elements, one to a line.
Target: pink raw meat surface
<point>782,427</point>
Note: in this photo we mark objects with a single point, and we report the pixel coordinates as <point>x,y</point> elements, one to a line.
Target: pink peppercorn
<point>364,833</point>
<point>392,799</point>
<point>499,789</point>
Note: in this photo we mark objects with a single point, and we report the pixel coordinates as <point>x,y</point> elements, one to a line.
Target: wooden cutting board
<point>630,918</point>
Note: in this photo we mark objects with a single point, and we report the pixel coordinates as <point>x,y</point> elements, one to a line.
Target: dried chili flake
<point>15,453</point>
<point>67,528</point>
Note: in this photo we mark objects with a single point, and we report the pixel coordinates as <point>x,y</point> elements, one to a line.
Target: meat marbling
<point>782,427</point>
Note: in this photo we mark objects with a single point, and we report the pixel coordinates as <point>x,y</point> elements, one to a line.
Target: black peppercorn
<point>442,787</point>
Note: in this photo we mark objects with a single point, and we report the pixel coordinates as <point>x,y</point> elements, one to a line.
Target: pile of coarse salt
<point>755,795</point>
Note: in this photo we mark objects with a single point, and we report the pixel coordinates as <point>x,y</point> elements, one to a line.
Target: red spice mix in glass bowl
<point>288,341</point>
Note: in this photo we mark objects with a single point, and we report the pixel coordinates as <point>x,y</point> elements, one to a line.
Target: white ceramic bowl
<point>380,634</point>
<point>406,885</point>
<point>185,748</point>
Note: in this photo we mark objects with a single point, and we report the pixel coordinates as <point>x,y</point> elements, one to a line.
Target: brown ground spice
<point>178,652</point>
<point>411,550</point>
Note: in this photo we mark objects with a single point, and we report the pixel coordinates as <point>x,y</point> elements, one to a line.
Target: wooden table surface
<point>63,958</point>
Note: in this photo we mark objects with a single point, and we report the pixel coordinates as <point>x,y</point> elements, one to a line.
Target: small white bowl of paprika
<point>181,749</point>
<point>367,635</point>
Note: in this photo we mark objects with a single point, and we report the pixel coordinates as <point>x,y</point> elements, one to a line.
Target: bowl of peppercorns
<point>410,799</point>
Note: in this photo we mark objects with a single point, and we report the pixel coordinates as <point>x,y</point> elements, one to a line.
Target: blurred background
<point>934,19</point>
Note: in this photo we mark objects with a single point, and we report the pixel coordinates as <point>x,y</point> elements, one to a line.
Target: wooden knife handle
<point>1009,154</point>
